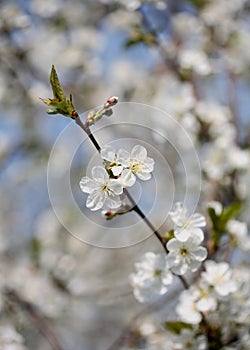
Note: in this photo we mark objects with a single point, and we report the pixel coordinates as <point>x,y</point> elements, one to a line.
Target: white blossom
<point>187,310</point>
<point>204,297</point>
<point>189,340</point>
<point>195,60</point>
<point>136,163</point>
<point>10,339</point>
<point>187,226</point>
<point>219,276</point>
<point>108,153</point>
<point>239,232</point>
<point>103,191</point>
<point>151,278</point>
<point>185,256</point>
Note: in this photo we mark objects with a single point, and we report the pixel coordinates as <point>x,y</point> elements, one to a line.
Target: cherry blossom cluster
<point>154,272</point>
<point>120,170</point>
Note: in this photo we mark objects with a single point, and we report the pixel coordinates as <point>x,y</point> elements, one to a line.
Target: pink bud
<point>111,101</point>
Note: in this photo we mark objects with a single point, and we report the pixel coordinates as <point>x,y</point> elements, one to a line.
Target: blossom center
<point>184,252</point>
<point>134,167</point>
<point>157,273</point>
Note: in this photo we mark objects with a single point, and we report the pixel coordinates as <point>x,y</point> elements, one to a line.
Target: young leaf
<point>56,86</point>
<point>60,104</point>
<point>176,327</point>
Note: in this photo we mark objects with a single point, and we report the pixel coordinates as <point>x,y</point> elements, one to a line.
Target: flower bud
<point>111,101</point>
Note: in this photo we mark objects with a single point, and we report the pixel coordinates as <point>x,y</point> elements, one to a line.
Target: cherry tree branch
<point>35,316</point>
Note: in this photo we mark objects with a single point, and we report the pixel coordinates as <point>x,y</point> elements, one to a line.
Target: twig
<point>135,207</point>
<point>36,317</point>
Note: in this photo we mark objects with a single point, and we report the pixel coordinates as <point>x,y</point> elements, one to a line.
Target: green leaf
<point>60,104</point>
<point>56,86</point>
<point>177,327</point>
<point>52,111</point>
<point>230,212</point>
<point>220,221</point>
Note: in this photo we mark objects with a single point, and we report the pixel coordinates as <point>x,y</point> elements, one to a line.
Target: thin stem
<point>36,317</point>
<point>135,206</point>
<point>143,216</point>
<point>131,199</point>
<point>233,103</point>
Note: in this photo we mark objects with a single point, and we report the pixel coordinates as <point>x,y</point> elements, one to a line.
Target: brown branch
<point>35,316</point>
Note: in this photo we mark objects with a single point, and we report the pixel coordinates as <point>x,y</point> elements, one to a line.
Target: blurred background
<point>191,60</point>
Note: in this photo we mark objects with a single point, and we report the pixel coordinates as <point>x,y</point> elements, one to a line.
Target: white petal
<point>143,175</point>
<point>147,166</point>
<point>99,174</point>
<point>198,220</point>
<point>194,265</point>
<point>173,244</point>
<point>117,169</point>
<point>180,268</point>
<point>182,235</point>
<point>112,202</point>
<point>123,157</point>
<point>139,153</point>
<point>167,277</point>
<point>95,200</point>
<point>127,179</point>
<point>200,253</point>
<point>88,185</point>
<point>115,186</point>
<point>108,153</point>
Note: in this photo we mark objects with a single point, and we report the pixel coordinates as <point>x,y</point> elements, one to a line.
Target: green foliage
<point>60,104</point>
<point>176,327</point>
<point>219,221</point>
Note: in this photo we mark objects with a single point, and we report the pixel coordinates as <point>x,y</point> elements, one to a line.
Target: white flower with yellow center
<point>108,153</point>
<point>185,256</point>
<point>151,278</point>
<point>136,163</point>
<point>219,276</point>
<point>187,226</point>
<point>103,191</point>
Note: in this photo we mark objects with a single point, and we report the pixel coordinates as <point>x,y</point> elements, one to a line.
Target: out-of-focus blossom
<point>187,310</point>
<point>188,339</point>
<point>219,276</point>
<point>187,225</point>
<point>195,60</point>
<point>151,278</point>
<point>10,339</point>
<point>239,232</point>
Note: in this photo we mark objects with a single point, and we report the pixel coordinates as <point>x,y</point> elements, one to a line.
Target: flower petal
<point>139,153</point>
<point>123,157</point>
<point>108,153</point>
<point>198,220</point>
<point>127,179</point>
<point>173,244</point>
<point>99,174</point>
<point>95,200</point>
<point>117,169</point>
<point>115,186</point>
<point>200,253</point>
<point>113,202</point>
<point>88,185</point>
<point>143,175</point>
